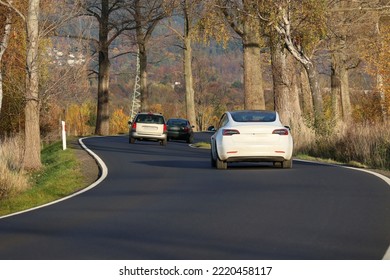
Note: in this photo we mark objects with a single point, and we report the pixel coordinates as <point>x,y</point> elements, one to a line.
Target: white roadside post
<point>63,135</point>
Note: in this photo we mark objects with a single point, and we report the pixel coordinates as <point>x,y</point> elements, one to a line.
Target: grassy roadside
<point>204,145</point>
<point>59,177</point>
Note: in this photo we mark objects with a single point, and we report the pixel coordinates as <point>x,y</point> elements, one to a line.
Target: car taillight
<point>280,131</point>
<point>229,132</point>
<point>165,128</point>
<point>134,126</point>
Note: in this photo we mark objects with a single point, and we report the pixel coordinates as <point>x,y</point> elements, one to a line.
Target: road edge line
<point>384,178</point>
<point>103,175</point>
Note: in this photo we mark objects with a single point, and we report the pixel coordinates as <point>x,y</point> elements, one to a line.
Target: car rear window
<point>254,116</point>
<point>150,119</point>
<point>177,122</point>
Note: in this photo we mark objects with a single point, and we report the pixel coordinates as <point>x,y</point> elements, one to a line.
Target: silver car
<point>148,127</point>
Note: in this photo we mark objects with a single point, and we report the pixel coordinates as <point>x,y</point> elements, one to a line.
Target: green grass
<point>59,177</point>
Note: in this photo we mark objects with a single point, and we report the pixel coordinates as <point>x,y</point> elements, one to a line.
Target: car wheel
<point>221,164</point>
<point>190,140</point>
<point>213,161</point>
<point>131,140</point>
<point>287,163</point>
<point>163,142</point>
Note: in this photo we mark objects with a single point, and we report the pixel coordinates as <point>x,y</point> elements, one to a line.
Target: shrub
<point>118,122</point>
<point>78,119</point>
<point>365,144</point>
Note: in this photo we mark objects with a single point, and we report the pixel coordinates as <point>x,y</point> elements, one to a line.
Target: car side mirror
<point>288,127</point>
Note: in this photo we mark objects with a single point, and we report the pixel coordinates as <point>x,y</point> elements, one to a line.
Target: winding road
<point>168,203</point>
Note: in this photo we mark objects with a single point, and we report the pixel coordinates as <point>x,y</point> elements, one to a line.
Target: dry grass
<point>13,179</point>
<point>365,145</point>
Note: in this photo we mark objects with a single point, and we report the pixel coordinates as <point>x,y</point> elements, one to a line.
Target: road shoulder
<point>88,165</point>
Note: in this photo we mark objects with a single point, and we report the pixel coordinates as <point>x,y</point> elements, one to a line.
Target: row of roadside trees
<point>293,34</point>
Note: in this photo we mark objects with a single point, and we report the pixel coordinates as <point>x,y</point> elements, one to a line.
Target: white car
<point>148,127</point>
<point>251,135</point>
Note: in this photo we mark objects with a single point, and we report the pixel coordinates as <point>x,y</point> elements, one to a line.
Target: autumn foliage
<point>68,82</point>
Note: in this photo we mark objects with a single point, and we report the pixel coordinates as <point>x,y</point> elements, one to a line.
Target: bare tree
<point>190,11</point>
<point>339,73</point>
<point>146,14</point>
<point>34,32</point>
<point>300,23</point>
<point>282,74</point>
<point>113,19</point>
<point>295,47</point>
<point>32,151</point>
<point>239,15</point>
<point>345,17</point>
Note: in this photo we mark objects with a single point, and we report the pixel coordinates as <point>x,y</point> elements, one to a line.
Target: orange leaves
<point>78,119</point>
<point>118,122</point>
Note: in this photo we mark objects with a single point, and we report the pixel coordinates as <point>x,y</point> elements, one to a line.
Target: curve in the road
<point>103,175</point>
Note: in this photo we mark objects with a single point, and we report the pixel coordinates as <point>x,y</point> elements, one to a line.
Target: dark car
<point>180,129</point>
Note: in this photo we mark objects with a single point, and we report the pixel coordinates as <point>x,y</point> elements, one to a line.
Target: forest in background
<point>322,64</point>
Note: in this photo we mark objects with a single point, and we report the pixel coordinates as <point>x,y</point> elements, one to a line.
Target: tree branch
<point>10,5</point>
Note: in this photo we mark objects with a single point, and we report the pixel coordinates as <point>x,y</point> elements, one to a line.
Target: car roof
<point>149,113</point>
<point>249,111</point>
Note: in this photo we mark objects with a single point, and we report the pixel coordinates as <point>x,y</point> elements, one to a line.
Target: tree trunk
<point>345,97</point>
<point>1,87</point>
<point>286,93</point>
<point>32,151</point>
<point>143,63</point>
<point>316,93</point>
<point>3,47</point>
<point>379,80</point>
<point>103,116</point>
<point>248,28</point>
<point>188,78</point>
<point>335,89</point>
<point>142,38</point>
<point>281,82</point>
<point>382,95</point>
<point>306,100</point>
<point>284,29</point>
<point>253,76</point>
<point>341,102</point>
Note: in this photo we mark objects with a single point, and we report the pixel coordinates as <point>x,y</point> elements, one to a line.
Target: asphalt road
<point>168,203</point>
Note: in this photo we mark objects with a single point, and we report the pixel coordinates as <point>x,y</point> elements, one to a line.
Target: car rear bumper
<point>178,135</point>
<point>140,136</point>
<point>237,148</point>
<point>256,159</point>
<point>271,153</point>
